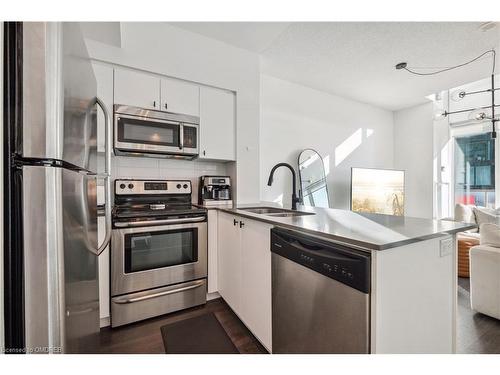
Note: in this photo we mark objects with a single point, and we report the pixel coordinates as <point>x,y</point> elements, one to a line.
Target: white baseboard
<point>105,322</point>
<point>213,295</point>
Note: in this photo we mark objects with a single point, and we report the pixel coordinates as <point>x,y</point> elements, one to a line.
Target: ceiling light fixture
<point>477,114</point>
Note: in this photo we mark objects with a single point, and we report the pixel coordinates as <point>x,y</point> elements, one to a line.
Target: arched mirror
<point>312,176</point>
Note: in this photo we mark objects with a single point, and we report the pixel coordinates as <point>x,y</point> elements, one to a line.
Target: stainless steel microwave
<point>145,132</point>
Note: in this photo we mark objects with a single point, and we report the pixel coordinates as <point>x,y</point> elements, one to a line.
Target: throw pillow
<point>486,215</point>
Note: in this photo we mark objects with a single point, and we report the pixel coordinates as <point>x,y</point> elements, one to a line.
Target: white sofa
<point>477,215</point>
<point>485,272</point>
<point>465,213</point>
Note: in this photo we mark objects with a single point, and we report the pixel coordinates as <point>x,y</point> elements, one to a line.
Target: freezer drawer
<point>133,307</point>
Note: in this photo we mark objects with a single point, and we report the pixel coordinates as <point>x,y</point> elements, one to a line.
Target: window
<point>475,170</point>
<point>156,249</point>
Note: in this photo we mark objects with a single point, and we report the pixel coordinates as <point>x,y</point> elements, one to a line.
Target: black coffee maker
<point>215,190</point>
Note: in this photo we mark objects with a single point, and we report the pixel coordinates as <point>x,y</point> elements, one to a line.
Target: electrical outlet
<point>446,247</point>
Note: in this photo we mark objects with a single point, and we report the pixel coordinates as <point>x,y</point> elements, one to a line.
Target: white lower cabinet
<point>229,260</point>
<point>256,275</point>
<point>244,272</point>
<point>212,252</point>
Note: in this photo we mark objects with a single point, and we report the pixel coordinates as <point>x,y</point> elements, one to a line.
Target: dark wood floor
<point>145,337</point>
<point>476,333</point>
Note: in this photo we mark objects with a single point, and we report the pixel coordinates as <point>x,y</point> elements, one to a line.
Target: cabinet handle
<point>204,152</point>
<point>242,224</point>
<point>154,103</point>
<point>166,106</point>
<point>235,222</point>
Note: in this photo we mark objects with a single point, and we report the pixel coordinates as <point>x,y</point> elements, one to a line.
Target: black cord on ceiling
<point>492,51</point>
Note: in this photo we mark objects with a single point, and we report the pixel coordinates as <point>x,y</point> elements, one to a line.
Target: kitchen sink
<point>264,210</point>
<point>275,212</point>
<point>291,214</point>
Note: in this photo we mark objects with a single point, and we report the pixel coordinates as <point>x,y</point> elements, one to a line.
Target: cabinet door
<point>212,251</point>
<point>180,97</point>
<point>229,260</point>
<point>104,78</point>
<point>137,89</point>
<point>256,279</point>
<point>217,124</point>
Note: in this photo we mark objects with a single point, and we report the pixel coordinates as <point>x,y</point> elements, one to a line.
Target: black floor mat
<point>199,335</point>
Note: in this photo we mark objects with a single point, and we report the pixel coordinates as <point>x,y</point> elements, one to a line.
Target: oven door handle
<point>130,224</point>
<point>160,294</point>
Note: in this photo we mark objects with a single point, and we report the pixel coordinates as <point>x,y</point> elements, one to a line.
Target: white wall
<point>105,32</point>
<point>346,134</point>
<point>413,152</point>
<point>168,50</point>
<point>145,168</point>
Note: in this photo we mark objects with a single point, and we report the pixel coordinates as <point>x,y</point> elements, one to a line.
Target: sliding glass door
<point>474,170</point>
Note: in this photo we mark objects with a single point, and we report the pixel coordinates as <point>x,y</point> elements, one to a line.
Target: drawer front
<point>147,304</point>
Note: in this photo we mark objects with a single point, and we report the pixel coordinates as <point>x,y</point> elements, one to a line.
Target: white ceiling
<point>253,36</point>
<point>356,59</point>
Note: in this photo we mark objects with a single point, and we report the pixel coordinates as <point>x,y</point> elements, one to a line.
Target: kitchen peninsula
<point>412,273</point>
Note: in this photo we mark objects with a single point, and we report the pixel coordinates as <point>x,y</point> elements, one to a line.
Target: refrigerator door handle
<point>107,175</point>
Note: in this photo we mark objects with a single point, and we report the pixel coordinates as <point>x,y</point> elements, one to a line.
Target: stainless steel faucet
<point>295,198</point>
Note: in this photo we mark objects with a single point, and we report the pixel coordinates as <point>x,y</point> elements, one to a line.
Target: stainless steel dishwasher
<point>320,295</point>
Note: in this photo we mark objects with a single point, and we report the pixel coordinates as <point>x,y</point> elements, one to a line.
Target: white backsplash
<point>165,169</point>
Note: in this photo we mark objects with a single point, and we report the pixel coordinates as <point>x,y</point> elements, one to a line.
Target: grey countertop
<point>367,231</point>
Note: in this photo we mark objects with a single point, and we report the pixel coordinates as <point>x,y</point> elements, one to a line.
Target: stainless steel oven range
<point>158,250</point>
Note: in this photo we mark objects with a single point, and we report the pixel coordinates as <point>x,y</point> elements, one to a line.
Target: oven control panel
<point>145,187</point>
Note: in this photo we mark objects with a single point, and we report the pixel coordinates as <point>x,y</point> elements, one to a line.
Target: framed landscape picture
<point>378,191</point>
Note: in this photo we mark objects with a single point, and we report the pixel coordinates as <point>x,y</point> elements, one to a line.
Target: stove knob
<point>130,186</point>
<point>178,186</point>
<point>122,186</point>
<point>185,186</point>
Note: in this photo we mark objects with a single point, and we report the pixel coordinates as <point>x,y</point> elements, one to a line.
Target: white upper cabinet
<point>217,124</point>
<point>137,89</point>
<point>104,77</point>
<point>216,108</point>
<point>180,97</point>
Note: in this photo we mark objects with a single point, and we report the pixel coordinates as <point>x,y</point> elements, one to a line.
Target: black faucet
<point>295,198</point>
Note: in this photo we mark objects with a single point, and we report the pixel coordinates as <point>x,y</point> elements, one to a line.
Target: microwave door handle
<point>181,136</point>
<point>107,175</point>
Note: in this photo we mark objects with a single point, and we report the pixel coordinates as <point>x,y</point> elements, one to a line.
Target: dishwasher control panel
<point>339,262</point>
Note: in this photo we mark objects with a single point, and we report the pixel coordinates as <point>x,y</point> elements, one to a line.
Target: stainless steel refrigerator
<point>51,178</point>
